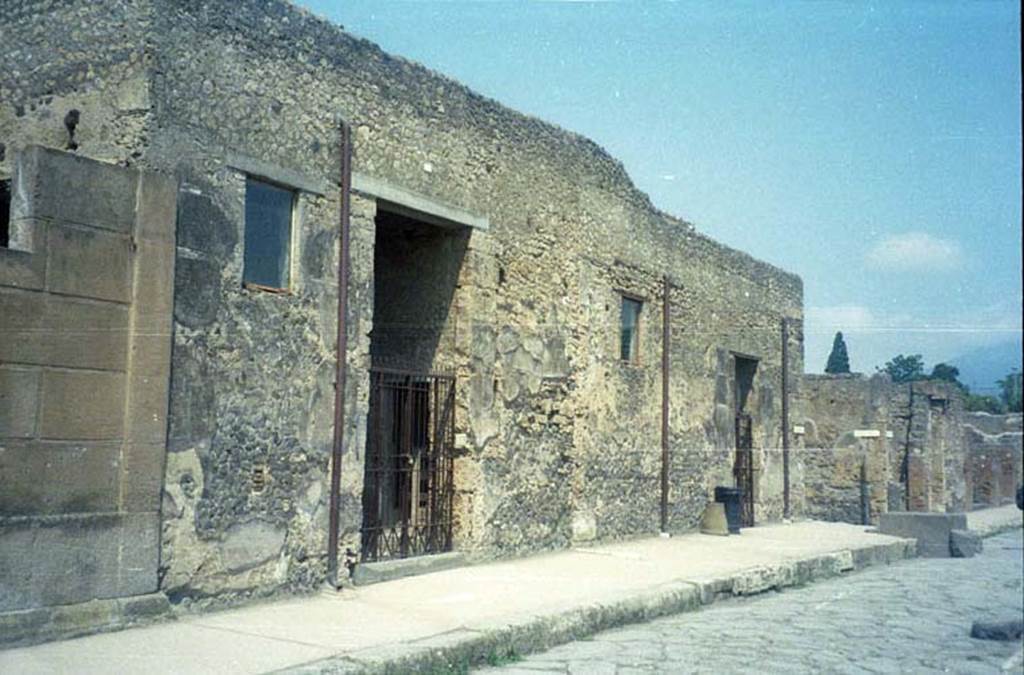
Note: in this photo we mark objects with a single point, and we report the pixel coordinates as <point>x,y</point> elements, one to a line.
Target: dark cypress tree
<point>838,360</point>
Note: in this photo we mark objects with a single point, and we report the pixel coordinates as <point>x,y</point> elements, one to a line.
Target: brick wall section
<point>993,467</point>
<point>84,361</point>
<point>929,447</point>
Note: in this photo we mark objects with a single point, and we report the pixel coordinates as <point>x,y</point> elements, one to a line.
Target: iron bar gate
<point>743,468</point>
<point>407,498</point>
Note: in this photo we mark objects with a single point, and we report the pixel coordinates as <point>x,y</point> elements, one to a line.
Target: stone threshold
<point>364,574</point>
<point>24,627</point>
<point>479,643</point>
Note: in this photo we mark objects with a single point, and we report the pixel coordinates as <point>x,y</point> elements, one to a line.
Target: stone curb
<point>510,637</point>
<point>998,528</point>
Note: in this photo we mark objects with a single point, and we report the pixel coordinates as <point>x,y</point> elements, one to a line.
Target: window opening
<point>629,334</point>
<point>268,233</point>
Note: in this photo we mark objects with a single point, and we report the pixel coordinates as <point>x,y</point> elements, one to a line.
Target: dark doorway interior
<point>5,213</point>
<point>407,496</point>
<point>743,467</point>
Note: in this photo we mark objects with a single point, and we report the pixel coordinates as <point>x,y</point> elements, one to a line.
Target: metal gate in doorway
<point>743,468</point>
<point>407,496</point>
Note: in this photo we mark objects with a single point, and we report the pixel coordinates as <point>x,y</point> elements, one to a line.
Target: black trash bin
<point>732,498</point>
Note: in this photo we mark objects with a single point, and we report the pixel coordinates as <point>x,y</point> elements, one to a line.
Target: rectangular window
<point>268,234</point>
<point>629,335</point>
<point>5,213</point>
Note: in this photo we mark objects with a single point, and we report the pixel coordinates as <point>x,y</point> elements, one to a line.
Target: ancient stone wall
<point>75,77</point>
<point>847,446</point>
<point>555,429</point>
<point>907,438</point>
<point>558,439</point>
<point>993,466</point>
<point>927,471</point>
<point>85,305</point>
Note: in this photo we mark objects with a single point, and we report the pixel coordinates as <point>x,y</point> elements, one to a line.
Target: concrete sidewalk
<point>473,614</point>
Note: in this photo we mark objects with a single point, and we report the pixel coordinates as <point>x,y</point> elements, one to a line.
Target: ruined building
<point>534,355</point>
<point>994,458</point>
<point>869,445</point>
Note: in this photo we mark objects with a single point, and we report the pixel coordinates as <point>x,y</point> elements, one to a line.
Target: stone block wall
<point>85,299</point>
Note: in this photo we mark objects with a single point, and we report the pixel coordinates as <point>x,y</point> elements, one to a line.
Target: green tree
<point>1010,391</point>
<point>905,368</point>
<point>838,359</point>
<point>981,403</point>
<point>944,371</point>
<point>947,373</point>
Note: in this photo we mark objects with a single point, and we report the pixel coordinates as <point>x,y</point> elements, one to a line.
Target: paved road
<point>910,617</point>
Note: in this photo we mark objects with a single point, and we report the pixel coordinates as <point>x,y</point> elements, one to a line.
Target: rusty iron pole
<point>665,346</point>
<point>786,510</point>
<point>338,445</point>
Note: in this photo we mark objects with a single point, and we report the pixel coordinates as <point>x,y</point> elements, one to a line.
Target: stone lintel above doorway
<point>405,202</point>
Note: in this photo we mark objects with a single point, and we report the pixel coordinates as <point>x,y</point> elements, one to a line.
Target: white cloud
<point>915,252</point>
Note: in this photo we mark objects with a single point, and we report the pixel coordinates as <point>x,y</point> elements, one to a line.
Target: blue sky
<point>872,148</point>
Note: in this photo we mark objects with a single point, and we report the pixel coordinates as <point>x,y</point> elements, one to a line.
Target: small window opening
<point>268,234</point>
<point>5,213</point>
<point>629,335</point>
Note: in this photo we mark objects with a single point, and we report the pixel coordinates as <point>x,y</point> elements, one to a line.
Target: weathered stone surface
<point>872,445</point>
<point>892,619</point>
<point>835,458</point>
<point>19,401</point>
<point>997,630</point>
<point>60,331</point>
<point>88,263</point>
<point>197,287</point>
<point>82,405</point>
<point>249,545</point>
<point>964,544</point>
<point>87,557</point>
<point>550,422</point>
<point>24,269</point>
<point>26,627</point>
<point>79,190</point>
<point>994,462</point>
<point>931,530</point>
<point>79,515</point>
<point>47,478</point>
<point>373,573</point>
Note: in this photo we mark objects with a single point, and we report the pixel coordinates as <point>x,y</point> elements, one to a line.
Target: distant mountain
<point>980,368</point>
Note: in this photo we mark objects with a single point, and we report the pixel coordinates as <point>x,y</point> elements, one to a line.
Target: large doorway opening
<point>408,486</point>
<point>743,466</point>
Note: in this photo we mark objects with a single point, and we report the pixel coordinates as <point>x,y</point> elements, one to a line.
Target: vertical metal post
<point>338,444</point>
<point>786,507</point>
<point>666,333</point>
<point>865,497</point>
<point>905,468</point>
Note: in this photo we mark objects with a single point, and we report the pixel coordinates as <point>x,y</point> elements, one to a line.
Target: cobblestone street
<point>913,616</point>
